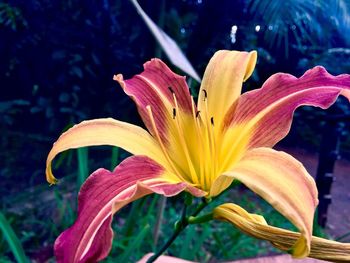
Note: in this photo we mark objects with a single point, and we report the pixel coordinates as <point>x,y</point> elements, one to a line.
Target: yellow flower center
<point>193,152</point>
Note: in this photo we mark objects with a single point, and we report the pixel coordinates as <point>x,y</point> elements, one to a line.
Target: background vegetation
<point>57,60</point>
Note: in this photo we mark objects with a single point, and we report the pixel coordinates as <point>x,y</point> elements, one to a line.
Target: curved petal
<point>156,87</point>
<point>102,195</point>
<point>285,184</point>
<point>256,226</point>
<point>267,113</point>
<point>107,131</point>
<point>223,80</point>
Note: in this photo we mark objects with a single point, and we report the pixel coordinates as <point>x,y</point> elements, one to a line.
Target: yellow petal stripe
<point>107,131</point>
<point>285,184</point>
<point>256,226</point>
<point>223,80</point>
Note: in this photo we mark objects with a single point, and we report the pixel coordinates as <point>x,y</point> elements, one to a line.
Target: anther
<point>212,121</point>
<point>174,113</point>
<point>197,113</point>
<point>171,90</point>
<point>205,95</point>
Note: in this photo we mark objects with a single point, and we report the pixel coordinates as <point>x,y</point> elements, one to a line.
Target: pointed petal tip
<point>253,56</point>
<point>50,178</point>
<point>158,63</point>
<point>151,61</point>
<point>120,79</point>
<point>106,131</point>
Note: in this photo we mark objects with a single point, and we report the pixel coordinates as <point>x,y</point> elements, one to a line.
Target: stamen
<point>212,143</point>
<point>205,95</point>
<point>174,113</point>
<point>171,90</point>
<point>167,157</point>
<point>201,144</point>
<point>184,144</point>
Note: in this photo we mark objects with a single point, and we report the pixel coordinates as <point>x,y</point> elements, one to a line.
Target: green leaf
<point>114,158</point>
<point>12,240</point>
<point>83,169</point>
<point>170,47</point>
<point>134,245</point>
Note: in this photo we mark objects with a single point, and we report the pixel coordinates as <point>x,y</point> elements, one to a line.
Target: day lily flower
<point>199,148</point>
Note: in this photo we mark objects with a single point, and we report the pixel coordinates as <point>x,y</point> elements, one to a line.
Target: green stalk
<point>179,227</point>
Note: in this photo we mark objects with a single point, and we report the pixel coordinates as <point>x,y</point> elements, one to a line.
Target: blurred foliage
<point>57,63</point>
<point>302,23</point>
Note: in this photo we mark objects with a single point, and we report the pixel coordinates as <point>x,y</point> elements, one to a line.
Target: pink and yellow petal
<point>166,82</point>
<point>267,113</point>
<point>256,226</point>
<point>285,184</point>
<point>223,79</point>
<point>156,88</point>
<point>89,239</point>
<point>107,131</point>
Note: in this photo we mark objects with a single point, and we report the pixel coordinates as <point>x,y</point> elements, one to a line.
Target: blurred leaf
<point>95,59</point>
<point>114,157</point>
<point>12,240</point>
<point>309,22</point>
<point>171,49</point>
<point>83,169</point>
<point>134,245</point>
<point>77,71</point>
<point>11,16</point>
<point>186,251</point>
<point>7,105</point>
<point>59,54</point>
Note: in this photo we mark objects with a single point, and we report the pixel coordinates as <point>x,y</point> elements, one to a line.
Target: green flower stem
<point>200,219</point>
<point>180,226</point>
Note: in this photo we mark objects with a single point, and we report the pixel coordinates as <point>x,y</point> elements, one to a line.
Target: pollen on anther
<point>171,90</point>
<point>205,94</point>
<point>174,113</point>
<point>212,121</point>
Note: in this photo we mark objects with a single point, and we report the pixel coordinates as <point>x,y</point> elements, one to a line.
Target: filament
<point>211,138</point>
<point>149,110</point>
<point>184,144</point>
<point>195,115</point>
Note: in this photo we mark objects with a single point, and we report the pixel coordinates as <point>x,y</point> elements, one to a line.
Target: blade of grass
<point>114,158</point>
<point>134,245</point>
<point>170,47</point>
<point>12,240</point>
<point>342,236</point>
<point>206,233</point>
<point>186,252</point>
<point>65,210</point>
<point>220,244</point>
<point>136,208</point>
<point>83,169</point>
